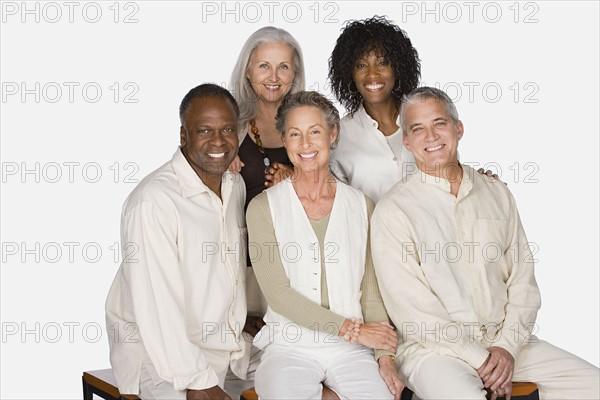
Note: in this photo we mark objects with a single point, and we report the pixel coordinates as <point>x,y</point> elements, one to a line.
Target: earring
<point>398,89</point>
<point>352,92</point>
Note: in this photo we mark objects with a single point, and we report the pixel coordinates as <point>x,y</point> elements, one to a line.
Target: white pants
<point>557,373</point>
<point>299,372</point>
<point>150,389</point>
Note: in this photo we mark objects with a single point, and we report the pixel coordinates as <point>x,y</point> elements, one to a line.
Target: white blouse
<point>368,160</point>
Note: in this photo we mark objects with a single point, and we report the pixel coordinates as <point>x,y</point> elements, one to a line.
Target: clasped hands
<point>497,372</point>
<point>375,335</point>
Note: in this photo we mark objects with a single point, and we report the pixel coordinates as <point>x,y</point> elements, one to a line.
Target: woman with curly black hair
<point>371,67</point>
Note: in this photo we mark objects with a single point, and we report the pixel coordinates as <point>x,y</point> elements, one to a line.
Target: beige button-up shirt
<point>179,290</point>
<point>455,273</point>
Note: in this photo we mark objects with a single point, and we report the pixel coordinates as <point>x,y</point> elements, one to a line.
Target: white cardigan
<point>345,251</point>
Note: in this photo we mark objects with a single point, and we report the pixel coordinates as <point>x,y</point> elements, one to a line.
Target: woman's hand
<point>376,335</point>
<point>387,370</point>
<point>236,165</point>
<point>277,172</point>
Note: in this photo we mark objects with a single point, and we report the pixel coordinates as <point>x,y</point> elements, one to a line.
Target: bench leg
<point>87,392</point>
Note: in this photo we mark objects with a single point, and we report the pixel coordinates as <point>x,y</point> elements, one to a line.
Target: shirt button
<point>394,158</point>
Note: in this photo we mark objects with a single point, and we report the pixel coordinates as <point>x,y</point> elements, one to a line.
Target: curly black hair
<point>360,37</point>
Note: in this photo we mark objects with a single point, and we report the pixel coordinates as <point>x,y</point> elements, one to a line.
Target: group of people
<point>341,223</point>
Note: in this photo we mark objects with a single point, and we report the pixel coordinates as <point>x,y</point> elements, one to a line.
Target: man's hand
<point>387,370</point>
<point>236,165</point>
<point>489,173</point>
<point>213,393</point>
<point>253,325</point>
<point>497,372</point>
<point>277,172</point>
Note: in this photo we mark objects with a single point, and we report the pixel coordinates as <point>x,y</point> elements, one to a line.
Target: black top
<point>253,171</point>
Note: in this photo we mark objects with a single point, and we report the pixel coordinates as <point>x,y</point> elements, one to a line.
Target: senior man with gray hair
<point>457,276</point>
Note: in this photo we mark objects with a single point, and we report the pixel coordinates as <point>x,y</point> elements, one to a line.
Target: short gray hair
<point>313,99</point>
<point>422,94</point>
<point>240,86</point>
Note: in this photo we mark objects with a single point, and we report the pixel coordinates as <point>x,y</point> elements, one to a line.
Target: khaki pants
<point>557,373</point>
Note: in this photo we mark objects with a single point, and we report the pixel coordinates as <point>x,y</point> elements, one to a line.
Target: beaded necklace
<point>254,130</point>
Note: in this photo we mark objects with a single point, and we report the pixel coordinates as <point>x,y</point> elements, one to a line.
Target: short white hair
<point>422,94</point>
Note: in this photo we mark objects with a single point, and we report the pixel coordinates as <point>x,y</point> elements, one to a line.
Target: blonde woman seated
<point>309,246</point>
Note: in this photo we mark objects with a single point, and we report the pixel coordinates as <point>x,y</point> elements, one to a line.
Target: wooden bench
<point>520,391</point>
<point>102,383</point>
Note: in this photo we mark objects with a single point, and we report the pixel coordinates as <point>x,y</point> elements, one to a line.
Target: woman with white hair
<point>269,67</point>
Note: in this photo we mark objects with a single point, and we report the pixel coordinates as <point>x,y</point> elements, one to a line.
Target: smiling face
<point>209,136</point>
<point>374,78</point>
<point>271,71</point>
<point>308,139</point>
<point>432,136</point>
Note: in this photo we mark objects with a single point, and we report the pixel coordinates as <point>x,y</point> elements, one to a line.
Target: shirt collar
<point>189,182</point>
<point>465,185</point>
<point>366,118</point>
<point>361,113</point>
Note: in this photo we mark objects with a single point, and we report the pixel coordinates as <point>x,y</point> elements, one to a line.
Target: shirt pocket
<point>492,245</point>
